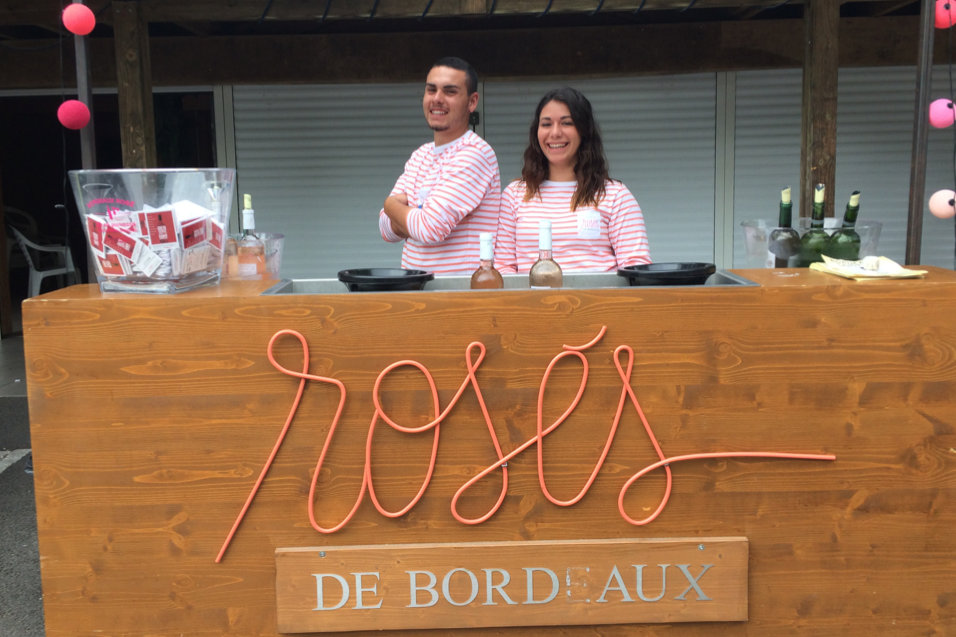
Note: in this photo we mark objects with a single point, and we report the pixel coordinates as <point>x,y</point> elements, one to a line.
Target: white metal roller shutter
<point>659,135</point>
<point>319,161</point>
<point>766,146</point>
<point>874,151</point>
<point>874,146</point>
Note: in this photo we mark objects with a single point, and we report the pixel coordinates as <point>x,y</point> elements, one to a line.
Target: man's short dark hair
<point>471,78</point>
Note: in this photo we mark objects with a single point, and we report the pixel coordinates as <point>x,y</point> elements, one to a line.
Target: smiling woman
<point>597,225</point>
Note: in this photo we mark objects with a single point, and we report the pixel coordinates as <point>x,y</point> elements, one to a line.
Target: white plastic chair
<point>24,222</point>
<point>63,266</point>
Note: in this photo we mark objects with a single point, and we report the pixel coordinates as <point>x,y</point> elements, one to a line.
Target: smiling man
<point>450,190</point>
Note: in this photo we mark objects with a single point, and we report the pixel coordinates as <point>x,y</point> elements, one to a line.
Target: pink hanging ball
<point>943,204</point>
<point>78,19</point>
<point>73,114</point>
<point>945,13</point>
<point>942,113</point>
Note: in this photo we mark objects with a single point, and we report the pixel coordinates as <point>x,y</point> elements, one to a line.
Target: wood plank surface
<point>483,584</point>
<point>151,418</point>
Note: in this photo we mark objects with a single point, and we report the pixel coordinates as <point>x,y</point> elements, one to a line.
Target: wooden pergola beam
<point>200,29</point>
<point>46,11</point>
<point>543,53</point>
<point>55,29</point>
<point>885,8</point>
<point>134,84</point>
<point>819,115</point>
<point>745,13</point>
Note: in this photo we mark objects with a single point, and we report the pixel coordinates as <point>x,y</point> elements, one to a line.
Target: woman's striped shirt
<point>598,238</point>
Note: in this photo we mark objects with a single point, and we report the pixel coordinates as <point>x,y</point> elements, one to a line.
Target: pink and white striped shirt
<point>457,189</point>
<point>598,238</point>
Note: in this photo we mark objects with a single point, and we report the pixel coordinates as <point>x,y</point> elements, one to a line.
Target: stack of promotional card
<point>174,240</point>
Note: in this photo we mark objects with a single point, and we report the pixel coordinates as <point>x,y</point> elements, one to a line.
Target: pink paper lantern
<point>943,204</point>
<point>78,19</point>
<point>942,113</point>
<point>73,114</point>
<point>945,14</point>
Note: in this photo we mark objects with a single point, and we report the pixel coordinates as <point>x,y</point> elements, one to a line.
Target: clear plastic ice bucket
<point>274,244</point>
<point>157,231</point>
<point>757,236</point>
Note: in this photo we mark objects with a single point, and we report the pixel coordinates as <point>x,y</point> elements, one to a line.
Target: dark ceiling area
<point>19,27</point>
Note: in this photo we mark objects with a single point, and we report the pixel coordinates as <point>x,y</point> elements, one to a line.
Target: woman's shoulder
<point>615,186</point>
<point>518,186</point>
<point>616,192</point>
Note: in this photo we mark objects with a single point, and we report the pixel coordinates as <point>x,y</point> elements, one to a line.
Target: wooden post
<point>818,132</point>
<point>6,309</point>
<point>134,81</point>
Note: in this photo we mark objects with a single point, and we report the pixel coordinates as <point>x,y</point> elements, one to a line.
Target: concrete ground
<point>21,597</point>
<point>21,612</point>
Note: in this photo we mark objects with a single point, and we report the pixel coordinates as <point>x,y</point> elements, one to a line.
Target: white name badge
<point>589,224</point>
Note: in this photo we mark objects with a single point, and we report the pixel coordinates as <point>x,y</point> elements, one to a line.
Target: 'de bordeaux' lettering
<point>422,582</point>
<point>360,590</point>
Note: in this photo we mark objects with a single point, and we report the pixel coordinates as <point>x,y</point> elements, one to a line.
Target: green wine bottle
<point>815,241</point>
<point>784,241</point>
<point>845,242</point>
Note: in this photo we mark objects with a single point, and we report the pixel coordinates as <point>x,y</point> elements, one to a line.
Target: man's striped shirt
<point>458,191</point>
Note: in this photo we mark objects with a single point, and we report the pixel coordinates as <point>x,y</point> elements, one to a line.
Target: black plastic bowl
<point>668,273</point>
<point>384,279</point>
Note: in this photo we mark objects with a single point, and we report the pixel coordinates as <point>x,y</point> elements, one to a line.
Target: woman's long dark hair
<point>590,168</point>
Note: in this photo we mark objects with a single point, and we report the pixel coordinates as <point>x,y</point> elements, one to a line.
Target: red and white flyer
<point>194,233</point>
<point>112,264</point>
<point>119,241</point>
<point>160,228</point>
<point>144,259</point>
<point>216,233</point>
<point>96,228</point>
<point>188,211</point>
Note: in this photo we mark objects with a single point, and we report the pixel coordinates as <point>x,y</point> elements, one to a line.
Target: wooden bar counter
<point>153,416</point>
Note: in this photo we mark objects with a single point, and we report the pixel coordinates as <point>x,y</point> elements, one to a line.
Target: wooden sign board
<point>486,584</point>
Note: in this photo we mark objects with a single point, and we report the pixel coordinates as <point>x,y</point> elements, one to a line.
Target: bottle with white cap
<point>545,273</point>
<point>252,252</point>
<point>784,244</point>
<point>816,240</point>
<point>845,242</point>
<point>486,277</point>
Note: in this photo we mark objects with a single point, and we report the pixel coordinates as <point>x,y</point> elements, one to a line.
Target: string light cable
<point>952,105</point>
